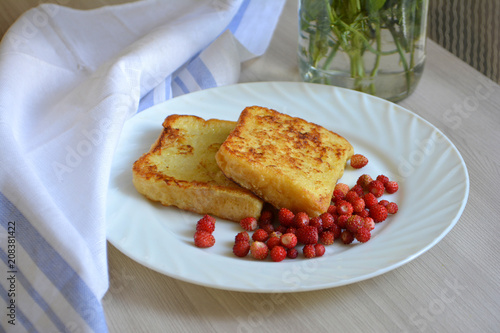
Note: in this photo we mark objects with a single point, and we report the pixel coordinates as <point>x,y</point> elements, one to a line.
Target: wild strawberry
<point>342,220</point>
<point>347,237</point>
<point>278,253</point>
<point>328,220</point>
<point>242,237</point>
<point>259,250</point>
<point>327,237</point>
<point>370,200</point>
<point>291,230</point>
<point>281,228</point>
<point>391,187</point>
<point>266,217</point>
<point>203,239</point>
<point>358,189</point>
<point>338,195</point>
<point>358,205</point>
<point>317,222</point>
<point>285,217</point>
<point>351,195</point>
<point>384,202</point>
<point>301,220</point>
<point>319,249</point>
<point>269,228</point>
<point>276,234</point>
<point>292,253</point>
<point>364,180</point>
<point>335,230</point>
<point>378,213</point>
<point>205,225</point>
<point>368,223</point>
<point>344,208</point>
<point>307,235</point>
<point>363,213</point>
<point>309,251</point>
<point>358,161</point>
<point>344,188</point>
<point>384,179</point>
<point>288,240</point>
<point>376,188</point>
<point>332,209</point>
<point>392,208</point>
<point>363,235</point>
<point>272,242</point>
<point>241,249</point>
<point>354,223</point>
<point>260,235</point>
<point>249,223</point>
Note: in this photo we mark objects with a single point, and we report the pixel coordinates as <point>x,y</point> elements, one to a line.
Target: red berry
<point>319,249</point>
<point>292,253</point>
<point>276,234</point>
<point>266,217</point>
<point>203,239</point>
<point>278,253</point>
<point>363,235</point>
<point>363,213</point>
<point>291,230</point>
<point>241,249</point>
<point>358,205</point>
<point>328,220</point>
<point>368,223</point>
<point>376,188</point>
<point>384,179</point>
<point>351,195</point>
<point>358,189</point>
<point>205,225</point>
<point>272,242</point>
<point>249,223</point>
<point>344,188</point>
<point>370,200</point>
<point>338,195</point>
<point>391,187</point>
<point>364,180</point>
<point>327,237</point>
<point>347,237</point>
<point>307,235</point>
<point>288,240</point>
<point>259,250</point>
<point>342,220</point>
<point>285,217</point>
<point>269,228</point>
<point>309,251</point>
<point>344,208</point>
<point>384,203</point>
<point>260,235</point>
<point>335,229</point>
<point>317,222</point>
<point>358,161</point>
<point>282,229</point>
<point>378,213</point>
<point>301,220</point>
<point>242,237</point>
<point>392,208</point>
<point>354,223</point>
<point>332,209</point>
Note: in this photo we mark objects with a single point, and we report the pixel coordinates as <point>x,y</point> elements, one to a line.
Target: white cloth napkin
<point>69,79</point>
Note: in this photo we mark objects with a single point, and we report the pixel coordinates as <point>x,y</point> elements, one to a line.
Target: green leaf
<point>375,5</point>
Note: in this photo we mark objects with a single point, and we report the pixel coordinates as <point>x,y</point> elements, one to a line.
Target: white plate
<point>433,180</point>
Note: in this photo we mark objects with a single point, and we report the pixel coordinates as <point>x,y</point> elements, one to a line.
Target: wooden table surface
<point>453,287</point>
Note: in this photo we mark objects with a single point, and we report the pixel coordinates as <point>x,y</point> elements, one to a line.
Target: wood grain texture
<point>451,288</point>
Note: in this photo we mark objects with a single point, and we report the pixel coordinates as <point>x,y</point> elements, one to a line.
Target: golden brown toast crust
<point>285,160</point>
<point>180,170</point>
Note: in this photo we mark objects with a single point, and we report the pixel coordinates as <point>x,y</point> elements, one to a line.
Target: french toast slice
<point>285,160</point>
<point>180,170</point>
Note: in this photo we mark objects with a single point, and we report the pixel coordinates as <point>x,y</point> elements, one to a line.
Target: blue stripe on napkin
<point>20,316</point>
<point>35,295</point>
<point>52,264</point>
<point>201,73</point>
<point>235,22</point>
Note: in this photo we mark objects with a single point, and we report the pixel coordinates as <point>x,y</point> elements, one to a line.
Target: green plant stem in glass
<point>373,46</point>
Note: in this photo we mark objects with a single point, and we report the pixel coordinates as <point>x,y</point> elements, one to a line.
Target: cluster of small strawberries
<point>203,237</point>
<point>352,215</point>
